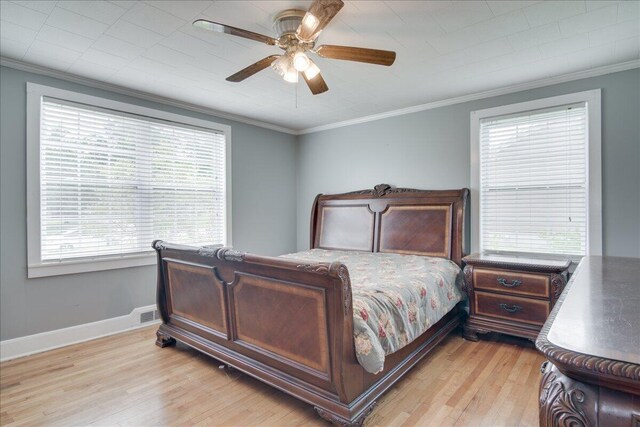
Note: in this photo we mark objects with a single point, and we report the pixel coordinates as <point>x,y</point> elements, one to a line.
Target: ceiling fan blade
<point>359,54</point>
<point>252,69</point>
<point>317,84</point>
<point>317,17</point>
<point>221,28</point>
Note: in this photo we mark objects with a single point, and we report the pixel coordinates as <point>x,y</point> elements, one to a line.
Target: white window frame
<point>35,266</point>
<point>592,98</point>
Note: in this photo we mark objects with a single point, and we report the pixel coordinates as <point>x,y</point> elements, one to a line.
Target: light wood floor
<point>127,380</point>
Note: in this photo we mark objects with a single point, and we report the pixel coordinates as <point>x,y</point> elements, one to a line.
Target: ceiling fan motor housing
<point>287,21</point>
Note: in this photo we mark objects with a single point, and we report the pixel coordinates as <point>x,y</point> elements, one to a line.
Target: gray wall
<point>430,150</point>
<point>275,181</point>
<point>263,216</point>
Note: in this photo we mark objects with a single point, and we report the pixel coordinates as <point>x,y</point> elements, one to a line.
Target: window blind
<point>111,182</point>
<point>533,181</point>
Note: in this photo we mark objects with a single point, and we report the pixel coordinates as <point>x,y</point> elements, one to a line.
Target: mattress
<point>395,297</point>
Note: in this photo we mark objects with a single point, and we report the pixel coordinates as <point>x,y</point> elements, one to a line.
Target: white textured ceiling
<point>444,50</point>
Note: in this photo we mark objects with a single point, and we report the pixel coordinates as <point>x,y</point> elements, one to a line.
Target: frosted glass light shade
<point>311,71</point>
<point>291,76</point>
<point>284,67</point>
<point>300,61</point>
<point>310,23</point>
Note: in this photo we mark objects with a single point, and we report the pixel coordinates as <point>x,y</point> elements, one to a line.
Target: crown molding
<point>97,84</point>
<point>593,72</point>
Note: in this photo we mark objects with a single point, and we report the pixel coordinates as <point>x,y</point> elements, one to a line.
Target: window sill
<point>89,265</point>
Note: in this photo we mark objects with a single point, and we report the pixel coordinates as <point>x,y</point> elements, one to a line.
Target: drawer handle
<point>513,284</point>
<point>513,309</point>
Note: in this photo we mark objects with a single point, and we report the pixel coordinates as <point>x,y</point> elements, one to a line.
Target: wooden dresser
<point>592,343</point>
<point>511,295</point>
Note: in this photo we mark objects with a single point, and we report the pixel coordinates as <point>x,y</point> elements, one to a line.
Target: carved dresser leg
<point>337,420</point>
<point>469,334</point>
<point>164,340</point>
<point>565,402</point>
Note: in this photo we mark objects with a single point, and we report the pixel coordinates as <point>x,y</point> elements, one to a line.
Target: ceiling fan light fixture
<point>284,67</point>
<point>280,65</point>
<point>300,61</point>
<point>291,76</point>
<point>309,24</point>
<point>311,71</point>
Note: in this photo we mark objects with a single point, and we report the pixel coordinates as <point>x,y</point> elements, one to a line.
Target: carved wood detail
<point>585,362</point>
<point>229,254</point>
<point>381,190</point>
<point>314,268</point>
<point>209,251</point>
<point>558,282</point>
<point>164,340</point>
<point>560,405</point>
<point>343,273</point>
<point>471,332</point>
<point>158,245</point>
<point>468,277</point>
<point>337,420</point>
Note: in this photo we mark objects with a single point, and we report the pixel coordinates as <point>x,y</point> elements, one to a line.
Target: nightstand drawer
<point>511,308</point>
<point>530,284</point>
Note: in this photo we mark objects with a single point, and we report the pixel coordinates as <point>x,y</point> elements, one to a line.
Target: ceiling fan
<point>297,32</point>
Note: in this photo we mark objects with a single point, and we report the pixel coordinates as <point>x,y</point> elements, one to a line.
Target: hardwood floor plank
<point>127,380</point>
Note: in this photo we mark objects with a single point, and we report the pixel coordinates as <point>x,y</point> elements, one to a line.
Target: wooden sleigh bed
<point>290,324</point>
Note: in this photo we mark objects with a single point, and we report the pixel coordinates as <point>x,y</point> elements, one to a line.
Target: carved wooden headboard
<point>399,220</point>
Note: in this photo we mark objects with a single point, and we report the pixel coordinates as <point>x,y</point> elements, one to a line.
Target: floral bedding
<point>395,297</point>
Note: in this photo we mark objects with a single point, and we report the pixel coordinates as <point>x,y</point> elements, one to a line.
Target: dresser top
<point>517,262</point>
<point>596,323</point>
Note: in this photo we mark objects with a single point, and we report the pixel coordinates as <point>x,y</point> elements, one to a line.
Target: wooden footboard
<point>283,322</point>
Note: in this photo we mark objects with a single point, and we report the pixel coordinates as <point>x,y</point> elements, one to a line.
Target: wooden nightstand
<point>511,294</point>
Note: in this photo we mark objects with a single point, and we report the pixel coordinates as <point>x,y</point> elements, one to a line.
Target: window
<point>106,179</point>
<point>536,177</point>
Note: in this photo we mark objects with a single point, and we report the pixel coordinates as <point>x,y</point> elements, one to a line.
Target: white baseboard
<point>37,343</point>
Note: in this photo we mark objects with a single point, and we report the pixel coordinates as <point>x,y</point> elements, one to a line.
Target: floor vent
<point>149,316</point>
